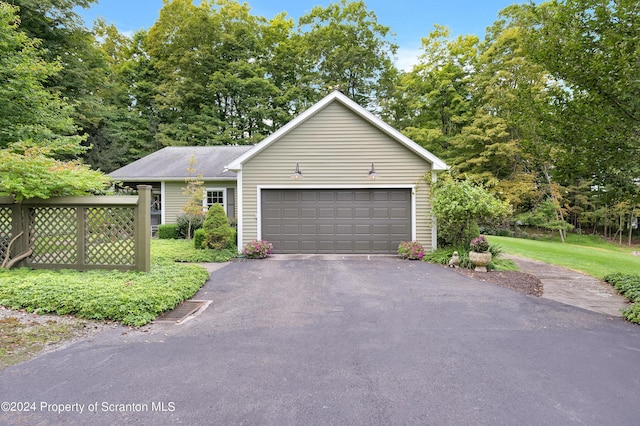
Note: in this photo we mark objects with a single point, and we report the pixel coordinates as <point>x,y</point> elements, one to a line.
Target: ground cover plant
<point>132,298</point>
<point>593,258</point>
<point>442,256</point>
<point>629,286</point>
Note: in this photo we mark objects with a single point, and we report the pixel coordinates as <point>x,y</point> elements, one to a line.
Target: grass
<point>132,298</point>
<point>592,256</point>
<point>20,340</point>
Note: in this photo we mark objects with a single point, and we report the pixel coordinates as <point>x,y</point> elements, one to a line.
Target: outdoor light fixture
<point>297,174</point>
<point>372,172</point>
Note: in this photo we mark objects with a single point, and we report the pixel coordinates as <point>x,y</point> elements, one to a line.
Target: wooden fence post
<point>143,231</point>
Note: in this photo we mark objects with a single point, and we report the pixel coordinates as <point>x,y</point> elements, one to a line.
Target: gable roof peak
<point>337,95</point>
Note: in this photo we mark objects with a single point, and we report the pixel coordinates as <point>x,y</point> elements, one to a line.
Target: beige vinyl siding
<point>174,200</point>
<point>336,147</point>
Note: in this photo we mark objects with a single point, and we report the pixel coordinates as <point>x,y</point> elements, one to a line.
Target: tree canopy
<point>543,111</point>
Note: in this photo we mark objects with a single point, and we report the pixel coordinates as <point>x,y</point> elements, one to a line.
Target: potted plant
<point>480,255</point>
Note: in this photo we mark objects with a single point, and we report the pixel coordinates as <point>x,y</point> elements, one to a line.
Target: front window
<point>214,196</point>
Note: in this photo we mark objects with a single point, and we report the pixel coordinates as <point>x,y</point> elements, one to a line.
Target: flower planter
<point>480,260</point>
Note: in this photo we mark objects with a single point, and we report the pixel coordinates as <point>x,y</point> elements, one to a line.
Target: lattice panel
<point>5,231</point>
<point>110,236</point>
<point>53,235</point>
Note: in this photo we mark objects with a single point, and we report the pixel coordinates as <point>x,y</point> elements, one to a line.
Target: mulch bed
<point>514,280</point>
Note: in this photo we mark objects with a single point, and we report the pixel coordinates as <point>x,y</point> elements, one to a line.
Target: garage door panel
<point>380,212</point>
<point>399,213</point>
<point>324,229</point>
<point>361,230</point>
<point>336,221</point>
<point>307,213</point>
<point>344,229</point>
<point>362,195</point>
<point>306,229</point>
<point>344,213</point>
<point>362,212</point>
<point>290,213</point>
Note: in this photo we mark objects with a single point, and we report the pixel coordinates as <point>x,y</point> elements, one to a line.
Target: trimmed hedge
<point>168,231</point>
<point>629,286</point>
<point>198,239</point>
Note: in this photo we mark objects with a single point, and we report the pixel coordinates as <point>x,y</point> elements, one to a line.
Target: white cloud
<point>407,58</point>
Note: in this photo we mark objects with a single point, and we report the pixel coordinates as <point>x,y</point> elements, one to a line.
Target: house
<point>336,179</point>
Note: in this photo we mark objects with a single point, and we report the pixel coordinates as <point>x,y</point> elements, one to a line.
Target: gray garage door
<point>336,221</point>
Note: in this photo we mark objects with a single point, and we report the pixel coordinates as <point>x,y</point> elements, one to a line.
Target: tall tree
<point>592,47</point>
<point>38,135</point>
<point>438,90</point>
<point>346,48</point>
<point>210,59</point>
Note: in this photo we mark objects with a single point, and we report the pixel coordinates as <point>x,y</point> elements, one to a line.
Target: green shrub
<point>629,286</point>
<point>257,249</point>
<point>167,251</point>
<point>218,234</point>
<point>167,232</point>
<point>442,255</point>
<point>132,298</point>
<point>411,250</point>
<point>187,224</point>
<point>198,239</point>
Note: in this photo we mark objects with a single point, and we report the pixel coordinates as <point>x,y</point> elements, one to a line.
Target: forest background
<point>544,111</point>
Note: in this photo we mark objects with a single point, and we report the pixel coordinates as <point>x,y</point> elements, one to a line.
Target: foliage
<point>479,244</point>
<point>198,238</point>
<point>218,234</point>
<point>133,298</point>
<point>544,216</point>
<point>257,249</point>
<point>37,132</point>
<point>187,225</point>
<point>411,250</point>
<point>598,260</point>
<point>212,68</point>
<point>347,49</point>
<point>168,231</point>
<point>185,251</point>
<point>194,213</point>
<point>458,206</point>
<point>443,255</point>
<point>629,286</point>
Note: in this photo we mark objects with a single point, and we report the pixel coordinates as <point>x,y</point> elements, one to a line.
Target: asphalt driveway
<point>355,341</point>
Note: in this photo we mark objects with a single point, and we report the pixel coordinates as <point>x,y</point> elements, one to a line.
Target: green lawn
<point>588,254</point>
<point>133,298</point>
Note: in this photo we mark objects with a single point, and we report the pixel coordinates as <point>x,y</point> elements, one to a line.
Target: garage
<point>336,220</point>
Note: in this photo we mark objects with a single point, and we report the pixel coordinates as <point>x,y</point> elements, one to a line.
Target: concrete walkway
<point>574,288</point>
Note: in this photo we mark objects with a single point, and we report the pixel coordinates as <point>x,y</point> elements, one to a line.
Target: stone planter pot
<point>480,260</point>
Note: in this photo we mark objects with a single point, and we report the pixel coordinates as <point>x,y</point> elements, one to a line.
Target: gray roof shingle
<point>171,163</point>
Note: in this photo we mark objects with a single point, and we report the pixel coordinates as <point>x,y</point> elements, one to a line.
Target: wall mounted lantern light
<point>297,174</point>
<point>372,172</point>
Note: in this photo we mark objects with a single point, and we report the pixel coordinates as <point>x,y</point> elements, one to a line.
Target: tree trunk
<point>633,214</point>
<point>556,202</point>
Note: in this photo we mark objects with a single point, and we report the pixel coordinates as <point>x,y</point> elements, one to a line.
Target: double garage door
<point>336,221</point>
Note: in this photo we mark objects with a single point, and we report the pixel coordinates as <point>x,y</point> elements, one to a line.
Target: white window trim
<point>224,198</point>
<point>163,203</point>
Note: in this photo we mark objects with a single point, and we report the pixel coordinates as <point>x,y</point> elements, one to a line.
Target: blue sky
<point>410,20</point>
